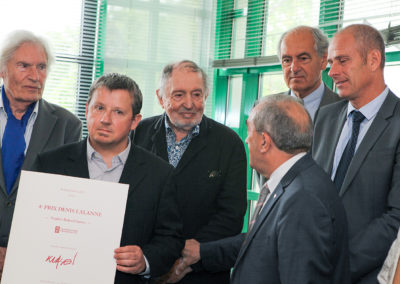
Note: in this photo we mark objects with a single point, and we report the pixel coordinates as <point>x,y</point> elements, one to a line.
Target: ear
<point>266,143</point>
<point>160,98</point>
<point>135,121</point>
<point>87,108</point>
<point>324,61</point>
<point>374,59</point>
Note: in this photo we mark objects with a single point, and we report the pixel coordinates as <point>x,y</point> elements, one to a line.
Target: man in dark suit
<point>357,142</point>
<point>302,52</point>
<point>209,161</point>
<point>151,236</point>
<point>298,233</point>
<point>28,124</point>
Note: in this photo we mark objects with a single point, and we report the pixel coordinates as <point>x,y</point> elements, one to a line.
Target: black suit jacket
<point>151,218</point>
<point>211,183</point>
<point>54,126</point>
<point>371,188</point>
<point>300,235</point>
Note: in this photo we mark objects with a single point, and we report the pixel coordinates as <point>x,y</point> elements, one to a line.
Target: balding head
<point>285,120</point>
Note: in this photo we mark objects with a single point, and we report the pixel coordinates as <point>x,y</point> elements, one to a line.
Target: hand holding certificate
<point>64,230</point>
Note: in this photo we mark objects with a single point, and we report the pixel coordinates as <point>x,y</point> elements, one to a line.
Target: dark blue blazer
<point>300,235</point>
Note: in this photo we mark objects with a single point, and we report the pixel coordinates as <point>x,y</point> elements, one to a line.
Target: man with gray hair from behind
<point>298,231</point>
<point>28,123</point>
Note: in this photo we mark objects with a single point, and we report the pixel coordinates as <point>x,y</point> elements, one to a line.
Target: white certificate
<point>64,230</point>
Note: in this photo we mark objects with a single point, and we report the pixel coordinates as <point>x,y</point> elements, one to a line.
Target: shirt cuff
<point>147,270</point>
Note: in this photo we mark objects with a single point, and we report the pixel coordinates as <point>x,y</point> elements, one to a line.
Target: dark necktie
<point>13,144</point>
<point>348,152</point>
<point>261,200</point>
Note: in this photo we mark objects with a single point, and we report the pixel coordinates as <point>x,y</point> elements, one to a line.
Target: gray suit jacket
<point>371,188</point>
<point>300,235</point>
<point>54,126</point>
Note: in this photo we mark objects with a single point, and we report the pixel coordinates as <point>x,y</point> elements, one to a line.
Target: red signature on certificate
<point>60,260</point>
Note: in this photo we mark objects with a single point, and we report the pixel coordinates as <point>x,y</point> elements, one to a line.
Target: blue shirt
<point>313,100</point>
<point>29,126</point>
<point>369,111</point>
<point>176,149</point>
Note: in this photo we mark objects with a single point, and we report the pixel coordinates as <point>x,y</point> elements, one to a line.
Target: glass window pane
<point>241,4</point>
<point>281,17</point>
<point>392,72</point>
<point>239,37</point>
<point>369,11</point>
<point>272,83</point>
<point>62,30</point>
<point>234,101</point>
<point>142,37</point>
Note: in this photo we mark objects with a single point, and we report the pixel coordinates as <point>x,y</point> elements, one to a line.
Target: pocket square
<point>214,174</point>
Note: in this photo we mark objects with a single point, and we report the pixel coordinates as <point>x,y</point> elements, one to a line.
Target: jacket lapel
<point>377,127</point>
<point>134,170</point>
<point>159,141</point>
<point>77,165</point>
<point>335,127</point>
<point>41,133</point>
<point>2,183</point>
<point>272,200</point>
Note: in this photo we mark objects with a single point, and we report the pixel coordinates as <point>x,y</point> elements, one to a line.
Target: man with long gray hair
<point>28,124</point>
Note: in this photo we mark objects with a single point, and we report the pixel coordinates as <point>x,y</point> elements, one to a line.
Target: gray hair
<point>321,41</point>
<point>115,81</point>
<point>291,134</point>
<point>185,64</point>
<point>366,38</point>
<point>15,39</point>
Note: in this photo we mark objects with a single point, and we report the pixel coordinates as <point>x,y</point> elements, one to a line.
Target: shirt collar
<point>281,171</point>
<point>370,109</point>
<point>91,153</point>
<point>314,96</point>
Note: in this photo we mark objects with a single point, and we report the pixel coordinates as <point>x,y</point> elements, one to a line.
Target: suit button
<point>9,204</point>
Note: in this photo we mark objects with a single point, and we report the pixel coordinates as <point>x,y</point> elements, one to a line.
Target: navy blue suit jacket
<point>300,235</point>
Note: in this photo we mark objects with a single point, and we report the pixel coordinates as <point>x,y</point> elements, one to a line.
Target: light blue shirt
<point>99,170</point>
<point>369,111</point>
<point>313,100</point>
<point>29,125</point>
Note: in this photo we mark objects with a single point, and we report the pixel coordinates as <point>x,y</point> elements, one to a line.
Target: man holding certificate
<point>151,236</point>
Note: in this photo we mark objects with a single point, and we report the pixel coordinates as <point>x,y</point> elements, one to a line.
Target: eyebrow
<point>303,53</point>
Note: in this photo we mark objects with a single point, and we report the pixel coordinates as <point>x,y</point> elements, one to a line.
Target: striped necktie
<point>261,200</point>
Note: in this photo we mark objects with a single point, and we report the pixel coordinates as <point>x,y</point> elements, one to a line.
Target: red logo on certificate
<point>57,230</point>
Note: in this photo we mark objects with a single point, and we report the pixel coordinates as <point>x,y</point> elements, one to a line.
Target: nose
<point>106,117</point>
<point>33,73</point>
<point>333,70</point>
<point>188,101</point>
<point>295,67</point>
